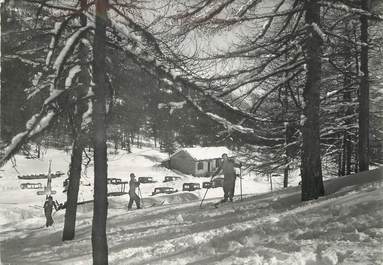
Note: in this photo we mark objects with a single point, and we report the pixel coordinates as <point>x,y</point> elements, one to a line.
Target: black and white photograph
<point>191,132</point>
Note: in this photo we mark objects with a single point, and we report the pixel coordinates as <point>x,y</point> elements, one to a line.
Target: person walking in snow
<point>48,208</point>
<point>133,184</point>
<point>229,176</point>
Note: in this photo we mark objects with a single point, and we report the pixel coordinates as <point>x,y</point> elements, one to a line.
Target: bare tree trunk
<point>73,188</point>
<point>1,105</point>
<point>347,97</point>
<point>356,159</point>
<point>343,156</point>
<point>364,93</point>
<point>38,149</point>
<point>132,138</point>
<point>100,208</point>
<point>287,138</point>
<point>128,144</point>
<point>116,145</point>
<point>312,181</point>
<point>347,145</point>
<point>78,144</point>
<point>286,176</point>
<point>340,155</point>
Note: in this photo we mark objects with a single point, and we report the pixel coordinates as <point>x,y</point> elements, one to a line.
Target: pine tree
<point>79,136</point>
<point>312,180</point>
<point>100,208</point>
<point>364,92</point>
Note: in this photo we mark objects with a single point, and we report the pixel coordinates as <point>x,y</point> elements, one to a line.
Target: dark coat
<point>132,187</point>
<point>227,168</point>
<point>48,206</point>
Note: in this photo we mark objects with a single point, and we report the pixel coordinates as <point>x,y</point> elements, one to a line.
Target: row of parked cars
<point>185,187</point>
<point>29,185</point>
<point>151,180</point>
<point>41,176</point>
<point>190,186</point>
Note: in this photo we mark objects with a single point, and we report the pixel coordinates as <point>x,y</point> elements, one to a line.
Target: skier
<point>229,176</point>
<point>133,184</point>
<point>48,207</point>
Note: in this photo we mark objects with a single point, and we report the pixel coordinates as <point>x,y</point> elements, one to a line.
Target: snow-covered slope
<point>18,204</point>
<point>344,227</point>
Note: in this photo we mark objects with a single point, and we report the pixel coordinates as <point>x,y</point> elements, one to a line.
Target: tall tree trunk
<point>347,98</point>
<point>312,181</point>
<point>116,145</point>
<point>73,188</point>
<point>364,93</point>
<point>38,149</point>
<point>132,138</point>
<point>343,156</point>
<point>286,176</point>
<point>128,144</point>
<point>78,143</point>
<point>340,155</point>
<point>287,137</point>
<point>356,159</point>
<point>1,105</point>
<point>100,208</point>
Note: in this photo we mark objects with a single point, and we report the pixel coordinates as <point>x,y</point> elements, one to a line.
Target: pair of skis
<point>153,205</point>
<point>216,204</point>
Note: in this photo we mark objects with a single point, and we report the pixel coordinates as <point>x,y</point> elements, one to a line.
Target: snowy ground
<point>17,203</point>
<point>345,227</point>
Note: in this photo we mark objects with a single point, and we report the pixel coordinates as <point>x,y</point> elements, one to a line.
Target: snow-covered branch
<point>68,48</point>
<point>249,5</point>
<point>22,59</point>
<point>178,84</point>
<point>352,10</point>
<point>34,126</point>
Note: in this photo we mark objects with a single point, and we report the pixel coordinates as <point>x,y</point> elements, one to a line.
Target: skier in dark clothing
<point>48,208</point>
<point>133,184</point>
<point>229,176</point>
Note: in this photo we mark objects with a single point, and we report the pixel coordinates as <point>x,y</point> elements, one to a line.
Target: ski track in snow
<point>344,227</point>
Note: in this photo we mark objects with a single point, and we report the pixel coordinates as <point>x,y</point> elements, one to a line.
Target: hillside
<point>18,204</point>
<point>344,227</point>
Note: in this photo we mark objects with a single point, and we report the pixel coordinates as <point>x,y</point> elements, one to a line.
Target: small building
<point>198,161</point>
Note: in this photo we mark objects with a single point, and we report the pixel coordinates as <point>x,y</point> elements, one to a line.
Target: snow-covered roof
<point>206,153</point>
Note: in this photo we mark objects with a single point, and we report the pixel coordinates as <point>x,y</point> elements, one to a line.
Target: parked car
<point>166,190</point>
<point>113,181</point>
<point>217,182</point>
<point>66,185</point>
<point>146,180</point>
<point>206,185</point>
<point>66,182</point>
<point>31,186</point>
<point>171,178</point>
<point>59,173</point>
<point>191,186</point>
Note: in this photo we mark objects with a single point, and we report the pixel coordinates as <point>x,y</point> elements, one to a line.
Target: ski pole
<point>204,197</point>
<point>206,191</point>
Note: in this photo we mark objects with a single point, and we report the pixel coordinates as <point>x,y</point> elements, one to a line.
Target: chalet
<point>197,161</point>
